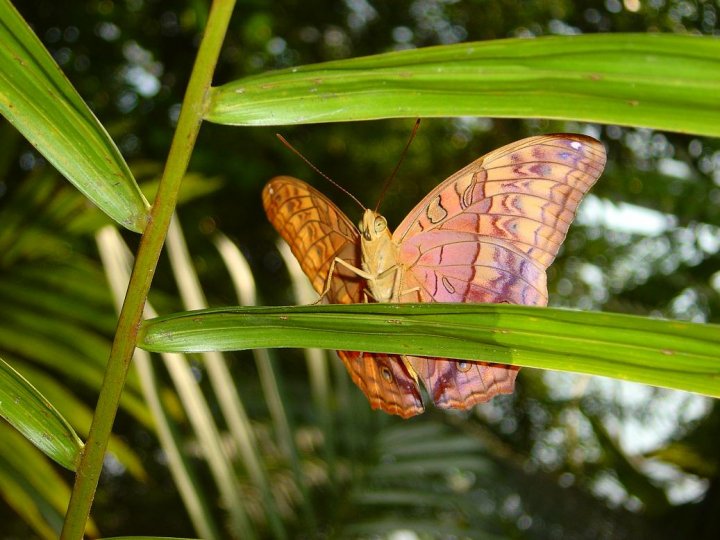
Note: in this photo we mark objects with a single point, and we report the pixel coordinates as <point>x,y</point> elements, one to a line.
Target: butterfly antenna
<point>390,178</point>
<point>314,168</point>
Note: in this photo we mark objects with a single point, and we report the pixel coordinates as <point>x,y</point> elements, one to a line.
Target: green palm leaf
<point>669,82</point>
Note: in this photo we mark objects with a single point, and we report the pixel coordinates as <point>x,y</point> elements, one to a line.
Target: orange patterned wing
<point>487,234</point>
<point>317,232</point>
<point>386,381</point>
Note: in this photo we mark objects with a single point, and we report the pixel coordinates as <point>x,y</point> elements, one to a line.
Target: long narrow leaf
<point>78,414</point>
<point>671,354</point>
<point>669,82</point>
<point>37,98</point>
<point>35,417</point>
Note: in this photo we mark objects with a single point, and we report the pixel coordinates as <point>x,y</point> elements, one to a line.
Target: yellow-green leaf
<point>672,354</point>
<point>37,98</point>
<point>661,81</point>
<point>30,413</point>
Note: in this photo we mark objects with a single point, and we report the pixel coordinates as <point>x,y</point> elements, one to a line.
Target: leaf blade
<point>37,98</point>
<point>669,82</point>
<point>35,417</point>
<point>672,354</point>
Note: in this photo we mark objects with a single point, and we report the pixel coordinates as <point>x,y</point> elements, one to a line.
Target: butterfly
<point>487,233</point>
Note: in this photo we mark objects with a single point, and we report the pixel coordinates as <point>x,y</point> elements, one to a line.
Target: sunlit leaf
<point>35,417</point>
<point>669,82</point>
<point>37,98</point>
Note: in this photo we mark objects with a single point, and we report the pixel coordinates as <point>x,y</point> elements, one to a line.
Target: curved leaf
<point>79,415</point>
<point>37,98</point>
<point>35,417</point>
<point>662,81</point>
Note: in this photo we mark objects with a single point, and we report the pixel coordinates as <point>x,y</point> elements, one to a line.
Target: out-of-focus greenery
<point>563,457</point>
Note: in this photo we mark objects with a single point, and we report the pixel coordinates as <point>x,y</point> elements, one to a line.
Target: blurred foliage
<point>564,456</point>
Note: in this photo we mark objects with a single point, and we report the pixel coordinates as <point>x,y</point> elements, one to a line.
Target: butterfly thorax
<point>379,257</point>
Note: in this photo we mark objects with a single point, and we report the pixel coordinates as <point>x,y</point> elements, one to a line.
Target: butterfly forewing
<point>318,232</point>
<point>489,232</point>
<point>525,192</point>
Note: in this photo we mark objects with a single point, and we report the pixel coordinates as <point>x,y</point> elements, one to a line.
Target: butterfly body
<point>485,234</point>
<point>379,257</point>
<point>380,260</point>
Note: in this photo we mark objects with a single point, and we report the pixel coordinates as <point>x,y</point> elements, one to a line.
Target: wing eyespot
<point>463,366</point>
<point>386,373</point>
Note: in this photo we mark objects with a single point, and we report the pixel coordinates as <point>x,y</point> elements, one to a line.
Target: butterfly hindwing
<point>454,384</point>
<point>454,266</point>
<point>386,381</point>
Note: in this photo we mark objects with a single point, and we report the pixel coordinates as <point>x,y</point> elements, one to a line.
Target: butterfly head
<point>373,226</point>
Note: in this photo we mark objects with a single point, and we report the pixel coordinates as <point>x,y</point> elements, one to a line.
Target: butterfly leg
<point>358,271</point>
<point>394,297</point>
<point>408,291</point>
<point>396,292</point>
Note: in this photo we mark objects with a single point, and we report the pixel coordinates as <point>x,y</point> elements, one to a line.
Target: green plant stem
<point>148,253</point>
